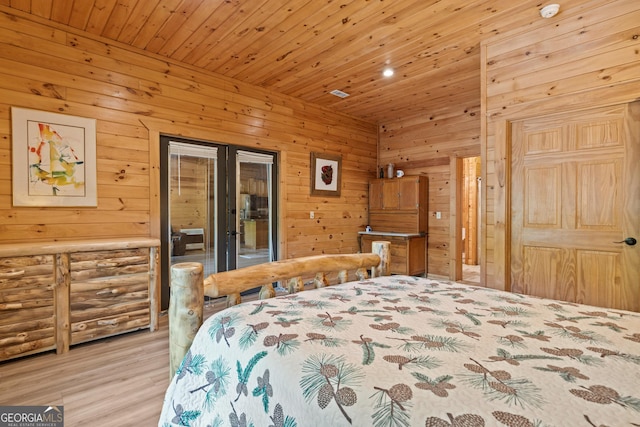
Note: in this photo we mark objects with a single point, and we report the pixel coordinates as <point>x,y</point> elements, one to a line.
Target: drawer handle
<point>11,306</point>
<point>110,291</point>
<point>8,274</point>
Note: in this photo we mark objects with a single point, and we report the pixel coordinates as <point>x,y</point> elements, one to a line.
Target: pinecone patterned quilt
<point>407,351</point>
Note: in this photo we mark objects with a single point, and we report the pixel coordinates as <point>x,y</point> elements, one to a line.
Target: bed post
<point>383,250</point>
<point>186,307</point>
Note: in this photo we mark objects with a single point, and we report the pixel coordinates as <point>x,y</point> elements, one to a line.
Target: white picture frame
<point>326,175</point>
<point>53,159</point>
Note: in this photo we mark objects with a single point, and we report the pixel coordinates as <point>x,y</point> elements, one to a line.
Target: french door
<point>218,206</point>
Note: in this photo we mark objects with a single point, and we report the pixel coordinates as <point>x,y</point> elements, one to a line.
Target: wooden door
<point>576,191</point>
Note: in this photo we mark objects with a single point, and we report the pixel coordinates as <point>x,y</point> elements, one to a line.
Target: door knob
<point>629,241</point>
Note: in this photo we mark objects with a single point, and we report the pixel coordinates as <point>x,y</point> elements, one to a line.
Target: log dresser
<point>57,294</point>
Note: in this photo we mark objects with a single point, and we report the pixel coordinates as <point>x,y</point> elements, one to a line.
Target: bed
<point>409,351</point>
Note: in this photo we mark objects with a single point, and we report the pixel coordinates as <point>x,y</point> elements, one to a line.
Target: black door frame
<point>225,205</point>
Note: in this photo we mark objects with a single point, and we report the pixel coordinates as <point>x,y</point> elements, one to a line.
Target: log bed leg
<point>383,250</point>
<point>186,307</point>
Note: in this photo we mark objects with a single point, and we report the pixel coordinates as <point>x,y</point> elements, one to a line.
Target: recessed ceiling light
<point>387,72</point>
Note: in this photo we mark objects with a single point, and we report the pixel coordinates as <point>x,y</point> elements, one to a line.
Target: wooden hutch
<point>398,214</point>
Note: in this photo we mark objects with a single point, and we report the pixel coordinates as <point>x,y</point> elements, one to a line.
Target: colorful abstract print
<point>56,163</point>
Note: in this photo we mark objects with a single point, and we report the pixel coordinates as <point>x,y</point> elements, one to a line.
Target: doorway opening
<point>217,206</point>
<point>469,234</point>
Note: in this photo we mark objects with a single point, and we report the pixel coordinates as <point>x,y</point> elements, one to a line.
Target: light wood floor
<point>471,274</point>
<point>118,381</point>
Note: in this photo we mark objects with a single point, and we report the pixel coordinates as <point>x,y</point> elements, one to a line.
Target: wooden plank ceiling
<point>307,48</point>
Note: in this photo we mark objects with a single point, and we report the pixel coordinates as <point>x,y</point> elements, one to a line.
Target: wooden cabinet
<point>256,233</point>
<point>408,252</point>
<point>54,295</point>
<point>398,214</point>
<point>398,204</point>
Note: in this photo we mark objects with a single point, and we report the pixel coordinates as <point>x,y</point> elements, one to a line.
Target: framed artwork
<point>54,159</point>
<point>326,175</point>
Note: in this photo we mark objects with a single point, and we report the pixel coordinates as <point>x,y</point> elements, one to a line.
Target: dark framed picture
<point>326,174</point>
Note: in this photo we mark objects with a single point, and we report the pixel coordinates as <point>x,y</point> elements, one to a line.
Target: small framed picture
<point>326,174</point>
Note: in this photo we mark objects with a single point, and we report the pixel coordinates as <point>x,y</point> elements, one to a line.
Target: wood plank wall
<point>586,56</point>
<point>134,97</point>
<point>425,145</point>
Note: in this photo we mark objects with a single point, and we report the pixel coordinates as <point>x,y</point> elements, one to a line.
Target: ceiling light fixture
<point>550,10</point>
<point>339,93</point>
<point>387,72</point>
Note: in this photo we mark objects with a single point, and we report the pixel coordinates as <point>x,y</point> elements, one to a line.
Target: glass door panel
<point>254,203</point>
<point>192,204</point>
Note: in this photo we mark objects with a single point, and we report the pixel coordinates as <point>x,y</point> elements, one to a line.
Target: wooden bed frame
<point>188,287</point>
